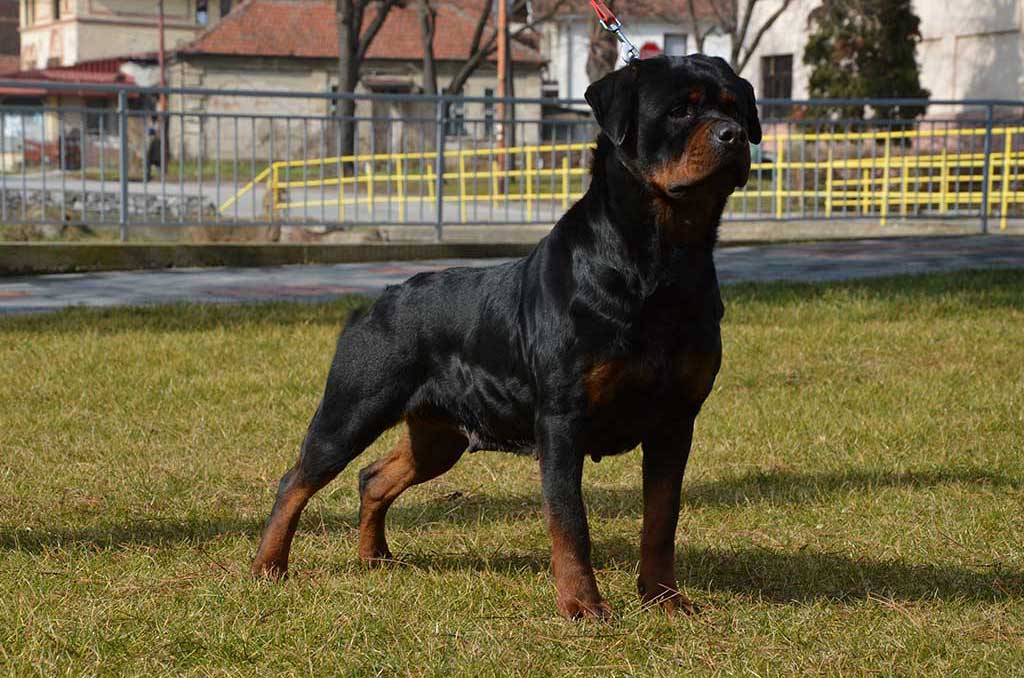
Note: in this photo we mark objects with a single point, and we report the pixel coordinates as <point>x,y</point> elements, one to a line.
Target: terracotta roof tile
<point>96,72</point>
<point>308,29</point>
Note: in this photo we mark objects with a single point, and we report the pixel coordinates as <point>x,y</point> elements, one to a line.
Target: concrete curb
<point>35,258</point>
<point>40,258</point>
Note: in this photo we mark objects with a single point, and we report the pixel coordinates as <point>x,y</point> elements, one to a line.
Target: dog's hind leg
<point>367,392</point>
<point>321,459</point>
<point>426,450</point>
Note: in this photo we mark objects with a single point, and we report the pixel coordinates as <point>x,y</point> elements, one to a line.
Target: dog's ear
<point>753,122</point>
<point>613,100</point>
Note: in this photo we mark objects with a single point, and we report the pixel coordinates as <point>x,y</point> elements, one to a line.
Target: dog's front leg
<point>561,469</point>
<point>664,463</point>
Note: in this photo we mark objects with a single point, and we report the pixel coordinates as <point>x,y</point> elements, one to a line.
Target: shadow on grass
<point>780,576</point>
<point>777,487</point>
<point>801,576</point>
<point>774,575</point>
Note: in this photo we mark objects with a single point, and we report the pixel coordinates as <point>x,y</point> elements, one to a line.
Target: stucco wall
<point>566,43</point>
<point>968,49</point>
<point>787,36</point>
<point>282,128</point>
<point>98,29</point>
<point>971,49</point>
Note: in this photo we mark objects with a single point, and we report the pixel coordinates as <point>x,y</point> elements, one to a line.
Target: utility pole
<point>160,55</point>
<point>502,55</point>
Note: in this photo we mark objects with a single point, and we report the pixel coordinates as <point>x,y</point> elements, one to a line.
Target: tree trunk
<point>510,91</point>
<point>428,22</point>
<point>348,74</point>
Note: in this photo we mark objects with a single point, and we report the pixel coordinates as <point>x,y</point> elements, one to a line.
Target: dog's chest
<point>651,380</point>
<point>653,384</point>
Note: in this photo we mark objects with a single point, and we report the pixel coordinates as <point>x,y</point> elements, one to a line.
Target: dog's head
<point>681,123</point>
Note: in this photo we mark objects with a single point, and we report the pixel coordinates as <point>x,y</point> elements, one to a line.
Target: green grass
<point>189,170</point>
<point>853,503</point>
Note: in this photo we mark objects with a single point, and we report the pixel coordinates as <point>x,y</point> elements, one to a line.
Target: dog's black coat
<point>605,337</point>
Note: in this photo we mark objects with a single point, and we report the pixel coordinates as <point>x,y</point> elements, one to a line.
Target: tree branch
<point>478,32</point>
<point>371,31</point>
<point>482,51</point>
<point>760,33</point>
<point>696,25</point>
<point>726,20</point>
<point>744,26</point>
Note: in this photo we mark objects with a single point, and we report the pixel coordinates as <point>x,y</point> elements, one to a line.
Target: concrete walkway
<point>810,262</point>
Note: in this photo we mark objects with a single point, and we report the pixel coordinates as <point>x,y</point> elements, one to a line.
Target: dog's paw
<point>271,570</point>
<point>667,596</point>
<point>577,609</point>
<point>377,557</point>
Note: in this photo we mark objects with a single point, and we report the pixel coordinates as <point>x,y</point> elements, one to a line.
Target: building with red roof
<point>292,46</point>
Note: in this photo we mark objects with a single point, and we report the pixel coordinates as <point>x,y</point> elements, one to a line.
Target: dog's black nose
<point>729,134</point>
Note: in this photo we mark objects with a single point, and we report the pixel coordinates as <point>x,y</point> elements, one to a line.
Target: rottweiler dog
<point>606,337</point>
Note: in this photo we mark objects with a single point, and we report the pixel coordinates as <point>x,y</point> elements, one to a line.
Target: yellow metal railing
<point>906,170</point>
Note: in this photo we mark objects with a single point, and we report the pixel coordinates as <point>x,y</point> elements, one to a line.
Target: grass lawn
<point>854,503</point>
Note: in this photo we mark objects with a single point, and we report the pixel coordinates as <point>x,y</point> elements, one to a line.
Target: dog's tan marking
<point>605,380</point>
<point>602,380</point>
<point>427,449</point>
<point>696,372</point>
<point>576,590</point>
<point>698,161</point>
<point>272,556</point>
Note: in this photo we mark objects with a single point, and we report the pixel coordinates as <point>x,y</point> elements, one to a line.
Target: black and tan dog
<point>604,338</point>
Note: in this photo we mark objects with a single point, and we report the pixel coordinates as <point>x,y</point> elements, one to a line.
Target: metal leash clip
<point>611,23</point>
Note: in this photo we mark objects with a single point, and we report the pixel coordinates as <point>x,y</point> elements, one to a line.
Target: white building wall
<point>971,50</point>
<point>648,30</point>
<point>968,49</point>
<point>566,44</point>
<point>788,35</point>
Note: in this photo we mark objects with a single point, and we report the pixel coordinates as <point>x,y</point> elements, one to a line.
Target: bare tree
<point>353,43</point>
<point>735,17</point>
<point>700,34</point>
<point>428,27</point>
<point>484,43</point>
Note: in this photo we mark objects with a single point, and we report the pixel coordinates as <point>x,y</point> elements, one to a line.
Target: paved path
<point>801,262</point>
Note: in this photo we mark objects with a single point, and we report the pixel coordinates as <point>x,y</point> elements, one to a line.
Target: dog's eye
<point>686,110</point>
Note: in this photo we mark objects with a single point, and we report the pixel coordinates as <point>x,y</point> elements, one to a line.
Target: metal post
<point>986,170</point>
<point>439,169</point>
<point>122,114</point>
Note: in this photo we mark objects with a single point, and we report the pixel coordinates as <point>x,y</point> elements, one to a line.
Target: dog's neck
<point>651,233</point>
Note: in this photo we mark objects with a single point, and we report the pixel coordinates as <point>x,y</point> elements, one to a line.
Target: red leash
<point>610,22</point>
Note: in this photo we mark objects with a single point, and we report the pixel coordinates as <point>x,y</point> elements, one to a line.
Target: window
<point>675,44</point>
<point>225,7</point>
<point>489,114</point>
<point>776,81</point>
<point>99,116</point>
<point>334,102</point>
<point>202,14</point>
<point>56,10</point>
<point>455,117</point>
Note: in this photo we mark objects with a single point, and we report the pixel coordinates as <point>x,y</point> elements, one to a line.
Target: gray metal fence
<point>107,158</point>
